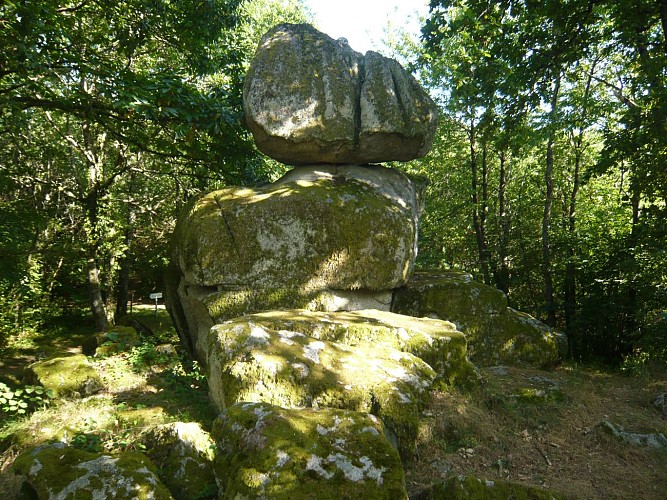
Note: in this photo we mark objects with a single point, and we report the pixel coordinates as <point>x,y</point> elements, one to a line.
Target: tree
<point>535,83</point>
<point>110,80</point>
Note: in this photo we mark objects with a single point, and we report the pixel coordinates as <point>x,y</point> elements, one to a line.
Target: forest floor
<point>537,427</point>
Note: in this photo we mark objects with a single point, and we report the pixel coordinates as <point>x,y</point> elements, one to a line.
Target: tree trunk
<point>477,215</point>
<point>123,285</point>
<point>97,306</point>
<point>570,293</point>
<point>501,272</point>
<point>548,201</point>
<point>95,293</point>
<point>125,264</point>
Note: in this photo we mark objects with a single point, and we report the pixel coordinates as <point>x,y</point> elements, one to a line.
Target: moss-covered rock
<point>496,333</point>
<point>184,454</point>
<point>436,342</point>
<point>320,229</point>
<point>311,99</point>
<point>472,488</point>
<point>116,339</point>
<point>57,471</point>
<point>68,376</point>
<point>518,338</point>
<point>272,452</point>
<point>249,362</point>
<point>202,307</point>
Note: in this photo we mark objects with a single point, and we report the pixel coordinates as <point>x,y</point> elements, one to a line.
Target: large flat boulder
<point>196,309</point>
<point>436,342</point>
<point>343,228</point>
<point>311,99</point>
<point>247,361</point>
<point>272,452</point>
<point>496,333</point>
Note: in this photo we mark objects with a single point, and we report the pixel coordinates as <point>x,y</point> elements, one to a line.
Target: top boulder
<point>310,99</point>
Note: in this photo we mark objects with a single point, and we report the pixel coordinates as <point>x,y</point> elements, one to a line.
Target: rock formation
<point>310,99</point>
<point>285,292</point>
<point>320,346</point>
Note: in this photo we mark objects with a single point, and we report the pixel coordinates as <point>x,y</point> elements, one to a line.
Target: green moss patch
<point>60,471</point>
<point>272,452</point>
<point>65,376</point>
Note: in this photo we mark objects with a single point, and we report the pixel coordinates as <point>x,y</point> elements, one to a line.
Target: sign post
<point>156,296</point>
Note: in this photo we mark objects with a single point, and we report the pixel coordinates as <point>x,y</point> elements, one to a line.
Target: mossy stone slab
<point>67,376</point>
<point>333,229</point>
<point>436,342</point>
<point>272,452</point>
<point>247,361</point>
<point>496,333</point>
<point>184,454</point>
<point>59,472</point>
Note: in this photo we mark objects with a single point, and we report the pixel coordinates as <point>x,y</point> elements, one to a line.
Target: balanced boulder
<point>311,99</point>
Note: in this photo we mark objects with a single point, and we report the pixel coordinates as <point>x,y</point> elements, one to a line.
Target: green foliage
<point>537,116</point>
<point>24,399</point>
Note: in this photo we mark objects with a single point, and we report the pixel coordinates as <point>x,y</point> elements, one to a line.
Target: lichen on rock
<point>311,99</point>
<point>272,452</point>
<point>57,472</point>
<point>303,234</point>
<point>436,342</point>
<point>250,362</point>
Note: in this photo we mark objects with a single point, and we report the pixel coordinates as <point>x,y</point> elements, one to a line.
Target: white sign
<point>156,296</point>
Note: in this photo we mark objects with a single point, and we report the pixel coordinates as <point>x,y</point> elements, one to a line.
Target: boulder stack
<point>283,292</point>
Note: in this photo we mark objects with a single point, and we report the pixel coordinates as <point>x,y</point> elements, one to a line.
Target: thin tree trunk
<point>477,218</point>
<point>501,273</point>
<point>548,202</point>
<point>570,297</point>
<point>125,267</point>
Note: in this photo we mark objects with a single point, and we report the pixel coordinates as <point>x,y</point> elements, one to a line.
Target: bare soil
<point>542,428</point>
